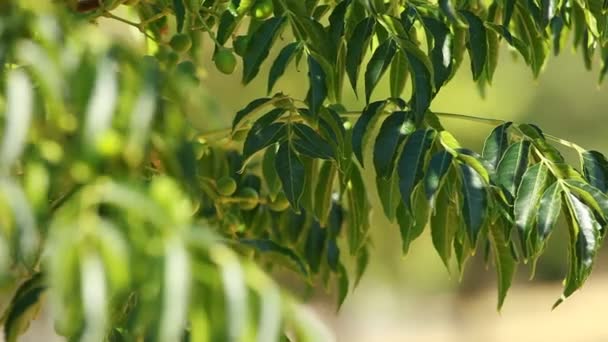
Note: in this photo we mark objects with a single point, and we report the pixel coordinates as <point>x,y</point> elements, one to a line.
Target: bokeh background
<point>414,297</point>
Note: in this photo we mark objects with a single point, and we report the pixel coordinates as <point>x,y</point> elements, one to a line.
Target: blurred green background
<point>413,297</point>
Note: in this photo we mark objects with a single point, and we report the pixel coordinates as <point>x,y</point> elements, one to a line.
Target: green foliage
<point>140,227</point>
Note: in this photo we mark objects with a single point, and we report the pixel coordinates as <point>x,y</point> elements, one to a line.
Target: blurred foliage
<point>139,226</point>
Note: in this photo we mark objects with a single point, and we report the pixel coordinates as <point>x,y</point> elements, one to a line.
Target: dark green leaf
<point>393,131</point>
<point>422,85</point>
<point>412,223</point>
<point>438,168</point>
<point>380,61</point>
<point>264,132</point>
<point>310,143</point>
<point>314,246</point>
<point>280,64</point>
<point>180,14</point>
<point>291,172</point>
<point>324,191</point>
<point>540,143</point>
<point>591,196</point>
<point>511,168</point>
<point>271,176</point>
<point>411,162</point>
<point>503,259</point>
<point>398,74</point>
<point>548,210</point>
<point>548,8</point>
<point>595,168</point>
<point>441,54</point>
<point>317,92</point>
<point>359,208</point>
<point>448,10</point>
<point>259,47</point>
<point>478,44</point>
<point>22,307</point>
<point>496,144</point>
<point>584,234</point>
<point>474,197</point>
<point>265,246</point>
<point>443,225</point>
<point>533,185</point>
<point>474,160</point>
<point>361,129</point>
<point>509,7</point>
<point>356,47</point>
<point>248,110</point>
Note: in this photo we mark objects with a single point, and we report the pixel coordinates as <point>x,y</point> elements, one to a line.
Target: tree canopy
<point>139,226</point>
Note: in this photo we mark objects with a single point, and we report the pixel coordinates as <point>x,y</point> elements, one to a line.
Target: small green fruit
<point>263,9</point>
<point>280,203</point>
<point>240,44</point>
<point>181,42</point>
<point>226,186</point>
<point>249,198</point>
<point>225,61</point>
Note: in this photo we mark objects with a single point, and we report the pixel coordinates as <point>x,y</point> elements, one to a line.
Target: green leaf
<point>259,47</point>
<point>412,223</point>
<point>584,235</point>
<point>250,109</point>
<point>314,246</point>
<point>591,196</point>
<point>261,137</point>
<point>23,307</point>
<point>324,191</point>
<point>291,172</point>
<point>443,227</point>
<point>475,161</point>
<point>511,168</point>
<point>515,42</point>
<point>180,14</point>
<point>393,131</point>
<point>478,44</point>
<point>538,46</point>
<point>509,6</point>
<point>496,144</point>
<point>411,162</point>
<point>474,197</point>
<point>380,61</point>
<point>310,143</point>
<point>448,10</point>
<point>356,47</point>
<point>280,64</point>
<point>422,84</point>
<point>359,209</point>
<point>271,177</point>
<point>369,116</point>
<point>503,259</point>
<point>548,210</point>
<point>540,143</point>
<point>595,168</point>
<point>317,92</point>
<point>266,246</point>
<point>525,209</point>
<point>398,74</point>
<point>548,9</point>
<point>441,54</point>
<point>388,191</point>
<point>438,168</point>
